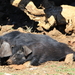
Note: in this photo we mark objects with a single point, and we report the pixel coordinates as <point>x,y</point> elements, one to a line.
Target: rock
<point>69,59</point>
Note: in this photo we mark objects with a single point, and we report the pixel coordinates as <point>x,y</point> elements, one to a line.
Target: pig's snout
<point>9,61</point>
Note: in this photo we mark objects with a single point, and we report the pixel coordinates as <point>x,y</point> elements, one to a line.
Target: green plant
<point>1,73</point>
<point>28,29</point>
<point>65,70</point>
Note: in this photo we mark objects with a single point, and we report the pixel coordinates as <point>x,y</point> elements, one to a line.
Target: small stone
<point>33,68</point>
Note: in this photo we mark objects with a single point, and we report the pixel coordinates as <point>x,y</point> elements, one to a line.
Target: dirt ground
<point>12,19</point>
<point>48,68</point>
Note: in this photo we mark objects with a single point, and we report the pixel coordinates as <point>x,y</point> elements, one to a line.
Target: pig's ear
<point>5,49</point>
<point>27,51</point>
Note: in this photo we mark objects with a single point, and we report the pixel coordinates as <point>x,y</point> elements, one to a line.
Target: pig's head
<point>20,56</point>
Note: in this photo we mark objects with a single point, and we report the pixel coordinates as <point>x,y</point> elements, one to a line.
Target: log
<point>64,14</point>
<point>38,15</point>
<point>52,15</point>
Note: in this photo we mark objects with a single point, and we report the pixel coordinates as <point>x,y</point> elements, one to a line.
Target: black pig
<point>37,49</point>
